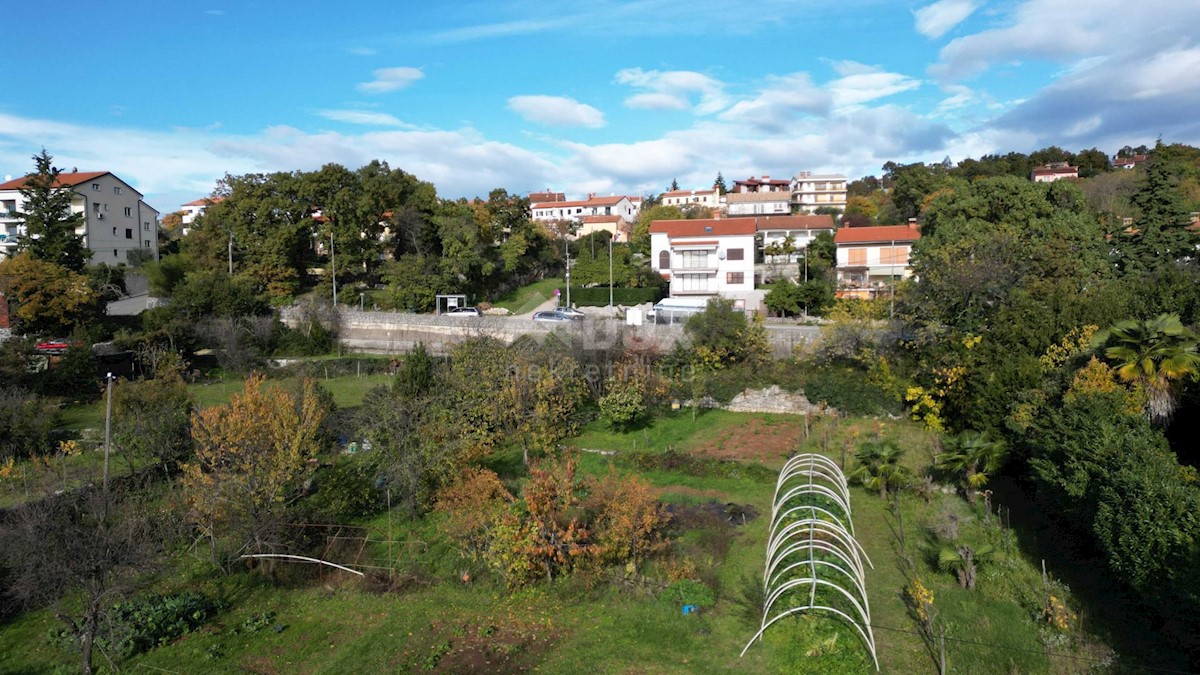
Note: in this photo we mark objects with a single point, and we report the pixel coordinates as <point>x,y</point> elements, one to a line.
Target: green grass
<point>572,625</point>
<point>526,298</point>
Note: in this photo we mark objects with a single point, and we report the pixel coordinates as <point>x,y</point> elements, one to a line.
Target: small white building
<point>812,191</point>
<point>616,205</point>
<point>1049,173</point>
<point>758,203</point>
<point>709,199</point>
<point>116,220</point>
<point>707,258</point>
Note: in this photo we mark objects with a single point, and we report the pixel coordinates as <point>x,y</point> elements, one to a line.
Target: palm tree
<point>1156,354</point>
<point>879,466</point>
<point>977,455</point>
<point>962,561</point>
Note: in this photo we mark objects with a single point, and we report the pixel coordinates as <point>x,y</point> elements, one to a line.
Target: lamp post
<point>567,253</point>
<point>333,267</point>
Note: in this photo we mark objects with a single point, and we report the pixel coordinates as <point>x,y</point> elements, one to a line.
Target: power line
<point>991,645</point>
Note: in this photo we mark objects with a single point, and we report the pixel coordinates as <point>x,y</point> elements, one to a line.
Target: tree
<point>1160,235</point>
<point>49,222</point>
<point>674,185</point>
<point>623,405</point>
<point>879,466</point>
<point>783,298</point>
<point>250,456</point>
<point>82,550</point>
<point>975,455</point>
<point>1156,354</point>
<point>26,420</point>
<point>962,560</point>
<point>721,334</point>
<point>719,183</point>
<point>45,297</point>
<point>151,418</point>
<point>551,499</point>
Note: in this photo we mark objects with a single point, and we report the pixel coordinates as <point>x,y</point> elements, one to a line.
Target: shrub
<point>153,620</point>
<point>347,490</point>
<point>689,592</point>
<point>623,407</point>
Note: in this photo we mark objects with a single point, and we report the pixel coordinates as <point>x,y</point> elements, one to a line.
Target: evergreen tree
<point>1160,235</point>
<point>49,223</point>
<point>720,184</point>
<point>674,185</point>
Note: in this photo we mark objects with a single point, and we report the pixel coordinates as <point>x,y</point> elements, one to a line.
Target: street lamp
<point>333,267</point>
<point>610,275</point>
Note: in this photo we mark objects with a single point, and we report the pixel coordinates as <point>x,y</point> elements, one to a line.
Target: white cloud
<point>1068,30</point>
<point>391,79</point>
<point>364,117</point>
<point>673,90</point>
<point>780,104</point>
<point>362,51</point>
<point>558,111</point>
<point>861,83</point>
<point>934,21</point>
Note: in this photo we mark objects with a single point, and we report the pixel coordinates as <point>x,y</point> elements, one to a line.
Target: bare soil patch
<point>757,440</point>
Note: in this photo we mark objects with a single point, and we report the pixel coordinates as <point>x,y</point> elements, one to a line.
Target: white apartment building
<point>616,205</point>
<point>116,220</point>
<point>758,203</point>
<point>812,191</point>
<point>707,258</point>
<point>709,199</point>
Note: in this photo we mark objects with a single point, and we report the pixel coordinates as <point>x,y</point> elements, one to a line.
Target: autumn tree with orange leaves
<point>250,458</point>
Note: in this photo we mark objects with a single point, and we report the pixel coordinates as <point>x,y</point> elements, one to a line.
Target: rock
<point>773,399</point>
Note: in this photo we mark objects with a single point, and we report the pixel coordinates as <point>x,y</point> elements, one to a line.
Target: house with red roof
<point>1128,162</point>
<point>871,259</point>
<point>1048,173</point>
<point>758,203</point>
<point>764,184</point>
<point>709,199</point>
<point>615,205</point>
<point>801,229</point>
<point>194,209</point>
<point>707,258</point>
<point>116,219</point>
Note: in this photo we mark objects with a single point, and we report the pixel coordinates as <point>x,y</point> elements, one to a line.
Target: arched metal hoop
<point>812,547</point>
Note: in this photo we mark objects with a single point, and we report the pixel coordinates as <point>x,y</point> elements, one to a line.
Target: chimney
<point>912,223</point>
<point>766,178</point>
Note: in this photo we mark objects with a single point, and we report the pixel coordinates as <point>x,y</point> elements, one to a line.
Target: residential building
<point>1128,162</point>
<point>192,210</point>
<point>812,191</point>
<point>764,184</point>
<point>116,220</point>
<point>546,196</point>
<point>616,205</point>
<point>709,199</point>
<point>871,259</point>
<point>757,203</point>
<point>1048,173</point>
<point>707,258</point>
<point>617,226</point>
<point>775,230</point>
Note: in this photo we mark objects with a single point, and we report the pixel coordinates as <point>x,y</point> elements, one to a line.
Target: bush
<point>848,390</point>
<point>623,407</point>
<point>347,490</point>
<point>598,296</point>
<point>145,623</point>
<point>689,592</point>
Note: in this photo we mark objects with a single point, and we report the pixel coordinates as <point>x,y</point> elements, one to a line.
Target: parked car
<point>52,347</point>
<point>571,312</point>
<point>465,311</point>
<point>553,316</point>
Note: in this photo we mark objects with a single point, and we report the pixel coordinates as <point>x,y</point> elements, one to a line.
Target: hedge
<point>598,296</point>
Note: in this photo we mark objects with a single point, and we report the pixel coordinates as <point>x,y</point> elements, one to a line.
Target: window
<point>694,259</point>
<point>735,254</point>
<point>664,260</point>
<point>128,211</point>
<point>146,243</point>
<point>116,190</point>
<point>96,187</point>
<point>893,256</point>
<point>114,231</point>
<point>857,256</point>
<point>692,282</point>
<point>146,226</point>
<point>114,253</point>
<point>129,233</point>
<point>735,277</point>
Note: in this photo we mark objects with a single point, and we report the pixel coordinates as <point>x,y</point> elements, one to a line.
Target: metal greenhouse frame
<point>812,546</point>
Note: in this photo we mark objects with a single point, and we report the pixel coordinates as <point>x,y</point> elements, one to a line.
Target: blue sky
<point>608,96</point>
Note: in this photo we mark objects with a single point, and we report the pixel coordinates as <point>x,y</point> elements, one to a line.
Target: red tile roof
<point>64,180</point>
<point>805,222</point>
<point>879,234</point>
<point>594,201</point>
<point>688,193</point>
<point>600,219</point>
<point>206,201</point>
<point>704,228</point>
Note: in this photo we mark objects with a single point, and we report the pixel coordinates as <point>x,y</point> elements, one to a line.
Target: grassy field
<point>525,299</point>
<point>431,620</point>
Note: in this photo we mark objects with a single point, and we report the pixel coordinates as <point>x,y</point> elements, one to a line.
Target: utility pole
<point>567,253</point>
<point>610,276</point>
<point>107,431</point>
<point>333,268</point>
<point>231,253</point>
